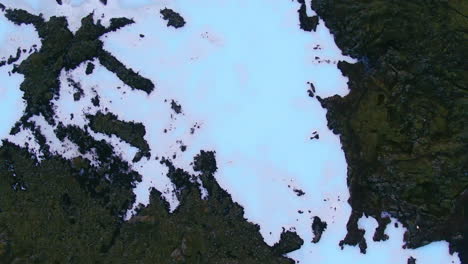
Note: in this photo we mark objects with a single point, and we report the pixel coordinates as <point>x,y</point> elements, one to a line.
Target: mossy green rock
<point>402,125</point>
<point>131,132</point>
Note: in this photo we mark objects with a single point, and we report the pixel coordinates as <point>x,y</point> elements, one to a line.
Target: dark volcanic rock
<point>173,18</point>
<point>176,107</point>
<point>411,260</point>
<point>318,226</point>
<point>402,124</point>
<point>355,235</point>
<point>38,137</point>
<point>198,231</point>
<point>96,101</point>
<point>61,49</point>
<point>89,68</point>
<point>379,234</point>
<point>289,242</point>
<point>12,59</point>
<point>59,2</point>
<point>205,162</point>
<point>82,205</point>
<point>66,199</point>
<point>79,92</point>
<point>299,192</point>
<point>130,132</point>
<point>306,23</point>
<point>311,91</point>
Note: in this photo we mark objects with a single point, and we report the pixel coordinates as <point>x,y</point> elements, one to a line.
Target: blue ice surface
<point>240,68</point>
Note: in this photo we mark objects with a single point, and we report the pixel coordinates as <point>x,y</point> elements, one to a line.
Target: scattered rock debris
<point>176,107</point>
<point>299,192</point>
<point>183,148</point>
<point>315,135</point>
<point>411,108</point>
<point>311,91</point>
<point>96,101</point>
<point>12,59</point>
<point>79,92</point>
<point>411,260</point>
<point>89,68</point>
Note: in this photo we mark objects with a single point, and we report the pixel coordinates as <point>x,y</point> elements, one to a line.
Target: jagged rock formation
<point>173,18</point>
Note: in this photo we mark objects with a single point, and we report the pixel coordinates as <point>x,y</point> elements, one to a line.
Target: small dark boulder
<point>318,226</point>
<point>173,18</point>
<point>95,100</point>
<point>299,192</point>
<point>411,260</point>
<point>176,107</point>
<point>89,68</point>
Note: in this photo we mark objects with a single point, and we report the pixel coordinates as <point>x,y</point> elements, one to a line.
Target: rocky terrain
<point>72,211</point>
<point>402,125</point>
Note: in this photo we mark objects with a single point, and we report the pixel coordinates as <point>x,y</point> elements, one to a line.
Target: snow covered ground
<point>240,70</point>
<point>12,37</point>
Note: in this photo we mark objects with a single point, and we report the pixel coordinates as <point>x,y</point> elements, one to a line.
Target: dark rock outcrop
<point>173,18</point>
<point>402,124</point>
<point>131,132</point>
<point>318,227</point>
<point>305,22</point>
